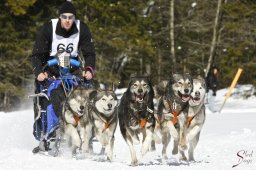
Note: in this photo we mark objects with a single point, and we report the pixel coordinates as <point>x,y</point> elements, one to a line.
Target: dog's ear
<point>174,77</point>
<point>202,80</point>
<point>92,94</point>
<point>188,76</point>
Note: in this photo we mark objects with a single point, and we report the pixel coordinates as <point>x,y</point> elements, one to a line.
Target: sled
<point>46,122</point>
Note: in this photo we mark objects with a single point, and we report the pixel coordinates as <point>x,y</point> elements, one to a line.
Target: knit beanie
<point>67,7</point>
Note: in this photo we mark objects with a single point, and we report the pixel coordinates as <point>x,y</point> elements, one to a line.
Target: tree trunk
<point>159,65</point>
<point>214,38</point>
<point>6,101</point>
<point>141,66</point>
<point>172,35</point>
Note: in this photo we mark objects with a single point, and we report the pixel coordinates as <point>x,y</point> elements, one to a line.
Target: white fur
<point>181,88</point>
<point>197,88</point>
<point>79,133</point>
<point>74,104</point>
<point>193,132</point>
<point>102,105</point>
<point>196,110</point>
<point>133,153</point>
<point>106,105</point>
<point>147,142</point>
<point>172,130</point>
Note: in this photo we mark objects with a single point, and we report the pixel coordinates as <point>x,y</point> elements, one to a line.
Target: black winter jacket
<point>42,46</point>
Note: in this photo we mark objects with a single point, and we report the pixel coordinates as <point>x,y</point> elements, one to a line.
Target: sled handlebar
<point>56,61</point>
<point>38,95</point>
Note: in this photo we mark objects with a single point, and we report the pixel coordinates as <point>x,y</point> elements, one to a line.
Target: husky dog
<point>135,114</point>
<point>196,117</point>
<point>75,122</point>
<point>104,118</point>
<point>159,91</point>
<point>172,110</point>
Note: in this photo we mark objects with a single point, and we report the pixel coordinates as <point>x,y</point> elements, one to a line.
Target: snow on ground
<point>228,138</point>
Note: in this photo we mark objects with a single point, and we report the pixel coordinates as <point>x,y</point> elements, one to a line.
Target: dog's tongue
<point>139,98</point>
<point>185,97</point>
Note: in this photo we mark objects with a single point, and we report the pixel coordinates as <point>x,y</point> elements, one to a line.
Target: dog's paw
<point>164,157</point>
<point>78,154</point>
<point>109,158</point>
<point>134,162</point>
<point>191,159</point>
<point>183,159</point>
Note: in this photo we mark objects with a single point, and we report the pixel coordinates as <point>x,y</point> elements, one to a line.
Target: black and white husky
<point>172,110</point>
<point>196,117</point>
<point>103,113</point>
<point>135,114</point>
<point>75,122</point>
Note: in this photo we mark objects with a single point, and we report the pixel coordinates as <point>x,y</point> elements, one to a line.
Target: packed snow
<point>227,139</point>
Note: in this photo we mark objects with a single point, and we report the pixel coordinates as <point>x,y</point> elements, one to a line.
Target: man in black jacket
<point>68,34</point>
<point>52,36</point>
<point>212,84</point>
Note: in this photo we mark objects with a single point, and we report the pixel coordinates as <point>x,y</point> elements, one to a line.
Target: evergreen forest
<point>154,37</point>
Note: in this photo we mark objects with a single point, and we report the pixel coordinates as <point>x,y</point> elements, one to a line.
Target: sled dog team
<point>178,112</point>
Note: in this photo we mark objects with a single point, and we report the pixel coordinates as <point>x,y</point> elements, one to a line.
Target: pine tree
<point>14,52</point>
<point>119,29</point>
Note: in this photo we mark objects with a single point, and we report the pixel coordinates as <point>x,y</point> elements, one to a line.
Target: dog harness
<point>142,121</point>
<point>107,123</point>
<point>172,107</point>
<point>77,118</point>
<point>189,119</point>
<point>176,114</point>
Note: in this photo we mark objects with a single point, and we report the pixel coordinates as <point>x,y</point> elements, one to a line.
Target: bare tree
<point>172,35</point>
<point>214,38</point>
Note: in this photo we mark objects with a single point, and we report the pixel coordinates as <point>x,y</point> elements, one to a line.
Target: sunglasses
<point>70,17</point>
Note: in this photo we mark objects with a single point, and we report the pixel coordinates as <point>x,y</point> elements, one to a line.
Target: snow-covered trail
<point>223,136</point>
